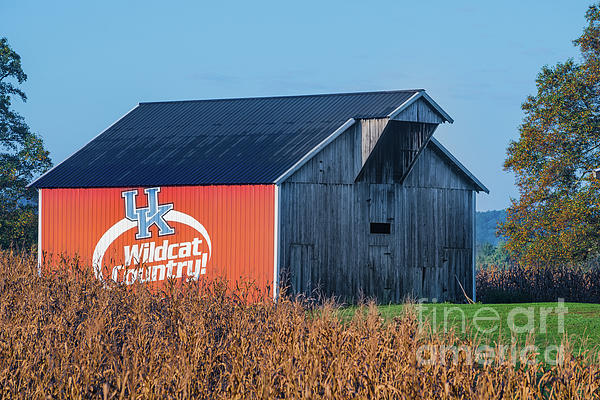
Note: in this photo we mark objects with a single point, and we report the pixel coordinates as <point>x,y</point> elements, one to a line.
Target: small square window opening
<point>381,228</point>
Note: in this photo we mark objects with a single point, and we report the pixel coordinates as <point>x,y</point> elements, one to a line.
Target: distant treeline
<point>486,225</point>
<point>490,249</point>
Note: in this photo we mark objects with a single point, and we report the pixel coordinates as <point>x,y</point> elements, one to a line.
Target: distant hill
<point>486,223</point>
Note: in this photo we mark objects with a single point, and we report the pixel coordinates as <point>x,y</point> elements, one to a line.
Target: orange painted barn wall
<point>218,231</point>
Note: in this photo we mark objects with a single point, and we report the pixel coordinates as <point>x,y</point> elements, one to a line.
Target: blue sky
<point>90,62</point>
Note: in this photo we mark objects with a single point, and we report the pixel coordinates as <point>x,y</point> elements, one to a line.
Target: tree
<point>489,255</point>
<point>22,156</point>
<point>556,218</point>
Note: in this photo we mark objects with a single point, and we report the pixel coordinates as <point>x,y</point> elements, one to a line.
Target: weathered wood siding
<point>420,111</point>
<point>329,166</point>
<point>433,171</point>
<point>371,131</point>
<point>397,150</point>
<point>326,247</point>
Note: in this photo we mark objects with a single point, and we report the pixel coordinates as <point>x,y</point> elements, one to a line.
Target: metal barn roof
<point>228,141</point>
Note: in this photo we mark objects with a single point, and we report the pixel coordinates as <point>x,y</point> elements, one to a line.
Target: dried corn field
<point>515,283</point>
<point>66,336</point>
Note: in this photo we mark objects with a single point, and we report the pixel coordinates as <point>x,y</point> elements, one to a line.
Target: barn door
<point>381,274</point>
<point>457,271</point>
<point>301,268</point>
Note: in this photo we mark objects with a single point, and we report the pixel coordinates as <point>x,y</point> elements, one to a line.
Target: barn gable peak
<point>421,108</point>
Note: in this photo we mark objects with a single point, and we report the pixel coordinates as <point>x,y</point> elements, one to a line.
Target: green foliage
<point>556,219</point>
<point>491,249</point>
<point>22,156</point>
<point>489,255</point>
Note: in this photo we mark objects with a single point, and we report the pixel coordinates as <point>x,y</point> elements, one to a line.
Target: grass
<point>581,322</point>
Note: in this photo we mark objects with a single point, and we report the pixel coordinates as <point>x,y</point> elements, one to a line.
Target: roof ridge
<point>286,96</point>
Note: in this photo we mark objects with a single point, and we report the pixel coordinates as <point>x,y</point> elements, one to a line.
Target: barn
<point>344,195</point>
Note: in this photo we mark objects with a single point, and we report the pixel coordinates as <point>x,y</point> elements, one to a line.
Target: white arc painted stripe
<point>124,225</point>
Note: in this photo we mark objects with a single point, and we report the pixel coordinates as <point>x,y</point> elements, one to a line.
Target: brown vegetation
<point>66,336</point>
<point>514,283</point>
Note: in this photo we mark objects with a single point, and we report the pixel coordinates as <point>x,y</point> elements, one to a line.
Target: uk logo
<point>155,260</point>
<point>145,217</point>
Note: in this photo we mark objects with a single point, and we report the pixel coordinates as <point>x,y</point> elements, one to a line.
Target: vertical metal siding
<point>474,246</point>
<point>39,232</point>
<point>276,231</point>
<point>239,221</point>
